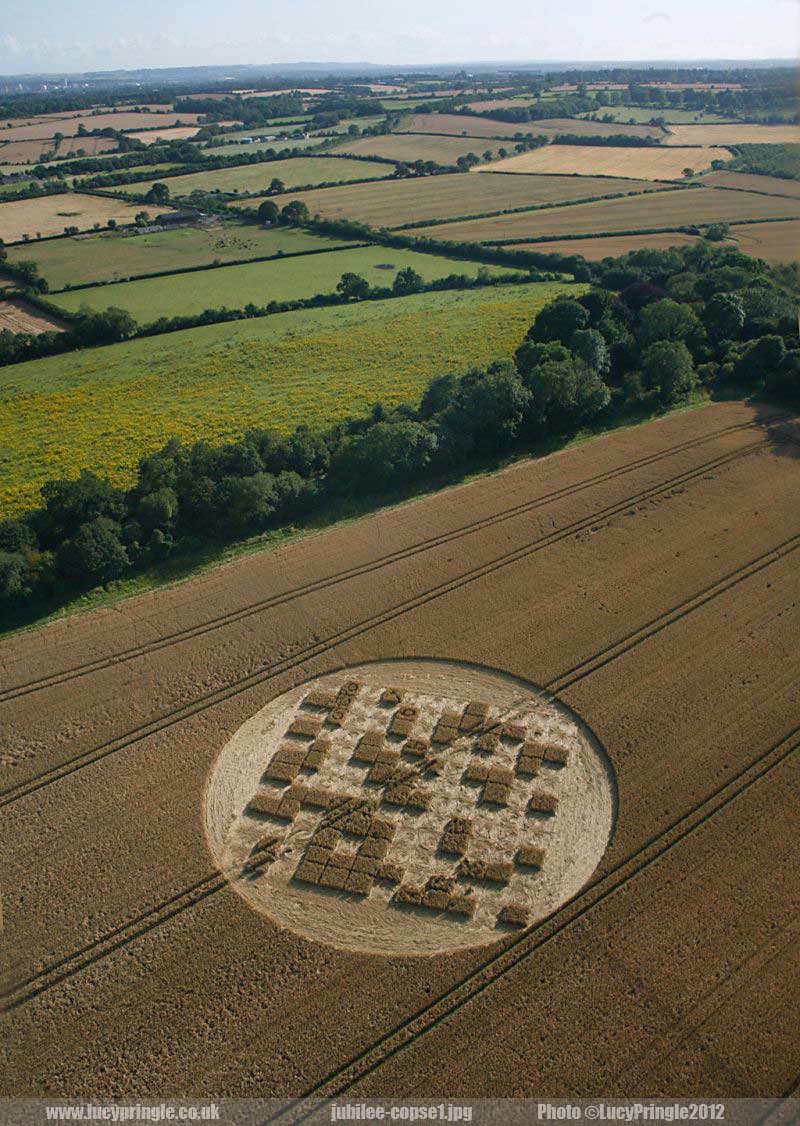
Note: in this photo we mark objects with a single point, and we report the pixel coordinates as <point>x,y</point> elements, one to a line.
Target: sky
<point>85,35</point>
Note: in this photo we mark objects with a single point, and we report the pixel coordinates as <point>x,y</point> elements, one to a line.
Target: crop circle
<point>410,807</point>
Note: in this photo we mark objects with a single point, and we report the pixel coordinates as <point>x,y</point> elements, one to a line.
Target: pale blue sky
<point>48,35</point>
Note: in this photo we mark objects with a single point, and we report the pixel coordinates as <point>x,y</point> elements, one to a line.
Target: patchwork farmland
<point>399,595</point>
<point>286,279</point>
<point>651,163</point>
<point>659,210</point>
<point>294,172</point>
<point>105,408</point>
<point>115,256</point>
<point>401,202</point>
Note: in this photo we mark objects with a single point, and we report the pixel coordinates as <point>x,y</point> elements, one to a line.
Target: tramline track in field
<point>20,992</point>
<point>319,648</point>
<point>342,1081</point>
<point>263,605</point>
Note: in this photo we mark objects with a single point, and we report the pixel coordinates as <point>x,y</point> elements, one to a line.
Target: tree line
<point>655,326</point>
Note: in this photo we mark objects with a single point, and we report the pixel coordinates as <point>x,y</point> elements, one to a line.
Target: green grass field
<point>111,256</point>
<point>294,172</point>
<point>239,147</point>
<point>104,408</point>
<point>15,186</point>
<point>286,279</point>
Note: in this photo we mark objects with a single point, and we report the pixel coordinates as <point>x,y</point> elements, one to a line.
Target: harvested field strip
<point>741,133</point>
<point>342,576</point>
<point>18,315</point>
<point>268,672</point>
<point>659,211</point>
<point>256,177</point>
<point>597,247</point>
<point>394,203</point>
<point>750,182</point>
<point>496,967</point>
<point>650,162</point>
<point>419,146</point>
<point>20,993</point>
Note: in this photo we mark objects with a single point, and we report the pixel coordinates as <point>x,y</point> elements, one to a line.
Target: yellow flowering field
<point>104,408</point>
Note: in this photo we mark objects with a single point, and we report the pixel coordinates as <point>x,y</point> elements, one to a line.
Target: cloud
<point>657,16</point>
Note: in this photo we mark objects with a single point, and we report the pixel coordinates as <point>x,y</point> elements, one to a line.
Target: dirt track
<point>648,579</point>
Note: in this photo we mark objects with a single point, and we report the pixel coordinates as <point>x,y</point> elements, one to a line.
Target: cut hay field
<point>124,122</point>
<point>644,114</point>
<point>50,214</point>
<point>775,242</point>
<point>648,581</point>
<point>652,163</point>
<point>552,126</point>
<point>397,202</point>
<point>750,182</point>
<point>457,125</point>
<point>296,171</point>
<point>114,256</point>
<point>106,407</point>
<point>595,249</point>
<point>30,152</point>
<point>409,147</point>
<point>739,133</point>
<point>658,210</point>
<point>284,279</point>
<point>178,133</point>
<point>19,316</point>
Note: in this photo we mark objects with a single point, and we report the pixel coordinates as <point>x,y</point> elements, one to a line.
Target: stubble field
<point>649,163</point>
<point>69,126</point>
<point>409,147</point>
<point>414,200</point>
<point>257,177</point>
<point>646,580</point>
<point>31,152</point>
<point>681,207</point>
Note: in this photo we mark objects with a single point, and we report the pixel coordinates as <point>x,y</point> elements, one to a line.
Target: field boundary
<point>402,554</point>
<point>318,648</point>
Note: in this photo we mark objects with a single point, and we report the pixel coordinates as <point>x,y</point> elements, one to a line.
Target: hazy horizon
<point>42,37</point>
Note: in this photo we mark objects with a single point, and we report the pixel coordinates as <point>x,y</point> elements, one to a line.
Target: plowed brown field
<point>648,580</point>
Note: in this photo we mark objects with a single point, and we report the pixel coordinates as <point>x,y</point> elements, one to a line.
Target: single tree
<point>668,370</point>
<point>352,286</point>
